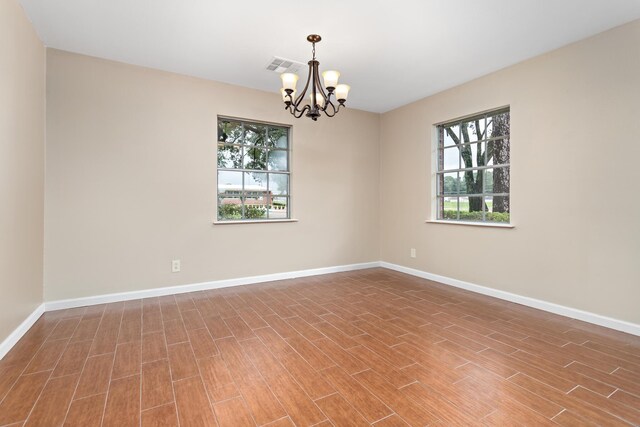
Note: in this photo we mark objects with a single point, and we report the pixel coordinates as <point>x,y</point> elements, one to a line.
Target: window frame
<point>243,170</point>
<point>440,171</point>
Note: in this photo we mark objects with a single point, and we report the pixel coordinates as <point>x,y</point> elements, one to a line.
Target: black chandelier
<point>319,100</point>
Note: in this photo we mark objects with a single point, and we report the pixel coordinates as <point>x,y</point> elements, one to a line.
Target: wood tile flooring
<point>372,347</point>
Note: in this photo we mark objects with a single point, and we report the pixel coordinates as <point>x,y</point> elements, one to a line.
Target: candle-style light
<point>319,99</point>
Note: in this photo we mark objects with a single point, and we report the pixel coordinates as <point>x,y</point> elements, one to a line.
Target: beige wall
<point>575,177</point>
<point>131,181</point>
<point>131,172</point>
<point>22,80</point>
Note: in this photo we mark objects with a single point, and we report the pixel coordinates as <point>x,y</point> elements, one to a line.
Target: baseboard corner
<point>19,332</point>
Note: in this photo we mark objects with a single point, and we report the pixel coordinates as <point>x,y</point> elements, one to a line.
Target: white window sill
<point>254,221</point>
<point>474,224</point>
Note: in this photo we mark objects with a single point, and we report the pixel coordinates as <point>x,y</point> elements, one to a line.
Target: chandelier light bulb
<point>289,80</point>
<point>330,79</point>
<point>319,99</point>
<point>342,91</point>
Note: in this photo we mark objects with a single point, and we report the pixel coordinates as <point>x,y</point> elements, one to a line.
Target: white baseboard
<point>574,313</point>
<point>15,336</point>
<point>147,293</point>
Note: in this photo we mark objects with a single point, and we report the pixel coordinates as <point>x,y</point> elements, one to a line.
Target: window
<point>472,177</point>
<point>253,171</point>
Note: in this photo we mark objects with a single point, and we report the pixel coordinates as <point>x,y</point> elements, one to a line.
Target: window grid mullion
<point>475,168</point>
<point>268,152</point>
<point>242,190</point>
<point>458,173</point>
<point>249,170</point>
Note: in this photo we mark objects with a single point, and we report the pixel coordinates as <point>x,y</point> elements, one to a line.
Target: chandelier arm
<point>293,108</point>
<point>300,97</point>
<point>300,112</point>
<point>319,85</point>
<point>314,84</point>
<point>333,107</point>
<point>328,114</point>
<point>329,102</point>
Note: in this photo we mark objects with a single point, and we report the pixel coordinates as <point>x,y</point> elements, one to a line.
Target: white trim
<point>254,221</point>
<point>22,329</point>
<point>474,224</point>
<point>180,289</point>
<point>574,313</point>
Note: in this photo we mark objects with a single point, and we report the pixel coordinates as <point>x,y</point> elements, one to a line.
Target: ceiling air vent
<point>281,65</point>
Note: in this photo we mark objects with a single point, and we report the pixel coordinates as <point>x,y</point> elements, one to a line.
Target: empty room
<point>350,213</point>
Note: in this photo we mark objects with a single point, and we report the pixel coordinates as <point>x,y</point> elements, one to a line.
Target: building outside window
<point>473,166</point>
<point>253,170</point>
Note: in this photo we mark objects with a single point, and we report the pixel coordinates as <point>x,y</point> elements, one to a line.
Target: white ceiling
<point>390,52</point>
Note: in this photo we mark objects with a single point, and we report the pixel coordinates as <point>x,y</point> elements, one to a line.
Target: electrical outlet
<point>175,266</point>
<point>413,252</point>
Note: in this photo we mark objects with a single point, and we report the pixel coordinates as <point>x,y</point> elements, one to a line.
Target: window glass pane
<point>464,204</point>
<point>256,207</point>
<point>473,155</point>
<point>229,208</point>
<point>278,160</point>
<point>481,153</point>
<point>255,181</point>
<point>230,183</point>
<point>488,181</point>
<point>255,134</point>
<point>489,154</point>
<point>279,208</point>
<point>488,204</point>
<point>450,135</point>
<point>255,158</point>
<point>497,208</point>
<point>278,137</point>
<point>450,158</point>
<point>230,132</point>
<point>468,132</point>
<point>489,129</point>
<point>499,151</point>
<point>471,208</point>
<point>473,149</point>
<point>256,197</point>
<point>449,207</point>
<point>496,180</point>
<point>469,183</point>
<point>500,124</point>
<point>449,183</point>
<point>229,156</point>
<point>474,212</point>
<point>474,130</point>
<point>279,183</point>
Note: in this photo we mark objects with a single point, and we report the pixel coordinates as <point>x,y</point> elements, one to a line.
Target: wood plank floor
<point>372,347</point>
